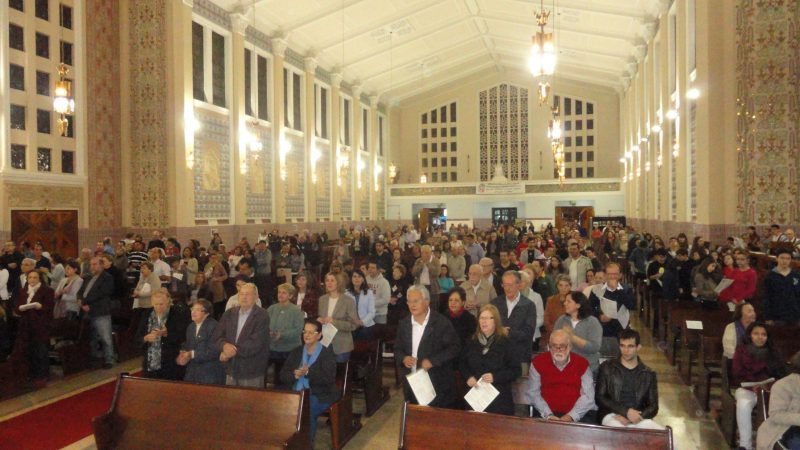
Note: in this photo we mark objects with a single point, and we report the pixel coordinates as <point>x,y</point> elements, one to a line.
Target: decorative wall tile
<point>208,10</point>
<point>503,122</point>
<point>103,114</point>
<point>294,185</point>
<point>148,112</point>
<point>322,202</point>
<point>42,196</point>
<point>212,169</point>
<point>259,176</point>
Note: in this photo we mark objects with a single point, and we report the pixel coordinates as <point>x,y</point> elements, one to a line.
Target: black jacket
<point>782,296</point>
<point>99,297</point>
<point>499,361</point>
<point>178,319</point>
<point>522,322</point>
<point>440,345</point>
<point>465,326</point>
<point>609,386</point>
<point>321,374</point>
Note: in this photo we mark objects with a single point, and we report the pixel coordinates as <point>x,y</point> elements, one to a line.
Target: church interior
<point>329,133</point>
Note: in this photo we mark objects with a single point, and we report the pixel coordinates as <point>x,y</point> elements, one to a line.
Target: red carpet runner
<point>58,424</point>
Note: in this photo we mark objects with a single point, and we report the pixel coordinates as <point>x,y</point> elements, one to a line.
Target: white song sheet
<point>422,387</point>
<point>28,306</point>
<point>481,396</point>
<point>328,332</point>
<point>723,284</point>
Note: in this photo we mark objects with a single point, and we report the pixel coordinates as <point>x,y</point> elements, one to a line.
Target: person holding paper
<point>560,384</point>
<point>611,303</point>
<point>754,361</point>
<point>312,366</point>
<point>744,281</point>
<point>487,358</point>
<point>427,341</point>
<point>627,390</point>
<point>34,307</point>
<point>706,276</point>
<point>339,310</point>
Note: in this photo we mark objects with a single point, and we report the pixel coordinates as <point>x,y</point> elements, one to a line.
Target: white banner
<point>499,188</point>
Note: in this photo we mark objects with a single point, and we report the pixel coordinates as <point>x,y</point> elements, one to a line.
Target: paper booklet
<point>481,395</point>
<point>694,324</point>
<point>328,332</point>
<point>422,386</point>
<point>757,383</point>
<point>723,284</point>
<point>28,306</point>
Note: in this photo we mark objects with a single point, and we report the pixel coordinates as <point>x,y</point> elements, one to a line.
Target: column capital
<point>356,88</point>
<point>310,63</point>
<point>238,23</point>
<point>279,45</point>
<point>373,100</point>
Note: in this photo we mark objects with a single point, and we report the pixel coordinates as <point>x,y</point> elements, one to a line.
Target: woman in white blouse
<point>66,294</point>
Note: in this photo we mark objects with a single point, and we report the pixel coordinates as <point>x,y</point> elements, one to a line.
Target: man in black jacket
<point>426,340</point>
<point>627,390</point>
<point>519,317</point>
<point>95,296</point>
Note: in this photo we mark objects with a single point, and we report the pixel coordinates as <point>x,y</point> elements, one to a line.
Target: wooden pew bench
<point>147,413</point>
<point>344,424</point>
<point>434,428</point>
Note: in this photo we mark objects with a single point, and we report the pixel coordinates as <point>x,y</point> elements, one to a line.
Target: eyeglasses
<point>559,348</point>
<point>310,332</point>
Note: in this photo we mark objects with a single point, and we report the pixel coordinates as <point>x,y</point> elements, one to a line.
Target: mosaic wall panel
<point>503,113</point>
<point>364,194</point>
<point>103,114</point>
<point>769,101</point>
<point>346,194</point>
<point>322,202</point>
<point>148,109</point>
<point>41,196</point>
<point>380,201</point>
<point>693,158</point>
<point>212,12</point>
<point>212,168</point>
<point>259,176</point>
<point>294,185</point>
<point>673,173</point>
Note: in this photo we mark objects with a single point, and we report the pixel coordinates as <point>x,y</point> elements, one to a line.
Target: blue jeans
<point>343,357</point>
<point>101,336</point>
<point>316,408</point>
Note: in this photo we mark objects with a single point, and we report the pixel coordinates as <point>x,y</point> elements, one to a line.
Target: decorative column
<point>355,123</point>
<point>240,133</point>
<point>310,139</point>
<point>373,157</point>
<point>278,53</point>
<point>336,139</point>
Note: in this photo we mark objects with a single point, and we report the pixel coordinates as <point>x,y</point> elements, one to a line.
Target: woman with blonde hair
<point>488,358</point>
<point>161,333</point>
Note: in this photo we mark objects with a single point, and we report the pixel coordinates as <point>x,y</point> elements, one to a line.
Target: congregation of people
<point>539,311</point>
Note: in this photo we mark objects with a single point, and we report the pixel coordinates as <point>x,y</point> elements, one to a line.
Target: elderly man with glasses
<point>560,384</point>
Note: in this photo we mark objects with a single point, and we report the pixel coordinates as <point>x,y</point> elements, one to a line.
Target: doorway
<point>430,218</point>
<point>56,230</point>
<point>569,216</point>
<point>504,216</point>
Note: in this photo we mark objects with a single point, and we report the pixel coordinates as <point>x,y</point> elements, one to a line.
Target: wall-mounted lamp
<point>285,148</point>
<point>377,175</point>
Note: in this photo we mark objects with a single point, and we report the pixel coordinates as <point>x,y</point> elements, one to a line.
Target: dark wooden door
<point>57,230</point>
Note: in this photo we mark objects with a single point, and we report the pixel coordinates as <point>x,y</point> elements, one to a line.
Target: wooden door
<point>570,214</point>
<point>57,230</point>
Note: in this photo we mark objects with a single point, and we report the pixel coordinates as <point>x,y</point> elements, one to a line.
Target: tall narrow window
<point>321,111</point>
<point>381,135</point>
<point>198,76</point>
<point>44,159</point>
<point>248,87</point>
<point>17,117</point>
<point>66,53</point>
<point>43,9</point>
<point>42,83</point>
<point>365,129</point>
<point>67,161</point>
<point>218,69</point>
<point>286,117</point>
<point>263,88</point>
<point>66,16</point>
<point>43,120</point>
<point>17,75</point>
<point>346,121</point>
<point>16,37</point>
<point>296,102</point>
<point>18,156</point>
<point>42,45</point>
<point>19,5</point>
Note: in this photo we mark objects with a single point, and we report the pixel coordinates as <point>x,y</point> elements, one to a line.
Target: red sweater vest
<point>560,389</point>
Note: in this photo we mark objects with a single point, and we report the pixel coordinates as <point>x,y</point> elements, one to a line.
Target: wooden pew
<point>425,427</point>
<point>147,413</point>
<point>709,360</point>
<point>676,314</point>
<point>714,323</point>
<point>72,347</point>
<point>344,424</point>
<point>375,394</point>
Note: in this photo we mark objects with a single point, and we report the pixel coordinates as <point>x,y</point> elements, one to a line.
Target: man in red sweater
<point>560,385</point>
<point>744,281</point>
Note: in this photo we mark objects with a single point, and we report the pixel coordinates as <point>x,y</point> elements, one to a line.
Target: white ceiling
<point>436,42</point>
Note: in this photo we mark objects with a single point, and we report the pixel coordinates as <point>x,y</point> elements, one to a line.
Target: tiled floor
<point>692,428</point>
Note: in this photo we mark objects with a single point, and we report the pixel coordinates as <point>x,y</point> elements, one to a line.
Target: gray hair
<point>512,273</point>
<point>421,289</point>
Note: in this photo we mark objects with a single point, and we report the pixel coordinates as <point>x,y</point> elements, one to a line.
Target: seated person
<point>585,332</point>
<point>743,316</point>
<point>627,390</point>
<point>312,366</point>
<point>744,281</point>
<point>754,360</point>
<point>463,322</point>
<point>198,353</point>
<point>162,332</point>
<point>560,385</point>
<point>435,348</point>
<point>783,424</point>
<point>488,357</point>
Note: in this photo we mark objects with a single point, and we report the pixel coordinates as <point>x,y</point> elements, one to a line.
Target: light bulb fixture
<point>543,49</point>
<point>392,171</point>
<point>638,172</point>
<point>554,131</point>
<point>647,166</point>
<point>622,160</point>
<point>423,179</point>
<point>629,154</point>
<point>672,114</point>
<point>285,148</point>
<point>376,173</point>
<point>644,139</point>
<point>342,162</point>
<point>676,150</point>
<point>635,148</point>
<point>63,102</point>
<point>316,155</point>
<point>659,161</point>
<point>544,92</point>
<point>693,94</point>
<point>656,128</point>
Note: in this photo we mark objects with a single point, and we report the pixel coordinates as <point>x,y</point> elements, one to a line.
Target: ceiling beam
<point>610,34</point>
<point>402,65</point>
<point>416,79</point>
<point>319,13</point>
<point>582,5</point>
<point>439,83</point>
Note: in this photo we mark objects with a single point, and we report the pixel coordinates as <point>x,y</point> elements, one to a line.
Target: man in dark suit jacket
<point>436,349</point>
<point>95,296</point>
<point>244,346</point>
<point>522,320</point>
<point>198,353</point>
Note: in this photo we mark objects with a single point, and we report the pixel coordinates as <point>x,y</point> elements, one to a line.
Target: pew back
<point>433,428</point>
<point>147,413</point>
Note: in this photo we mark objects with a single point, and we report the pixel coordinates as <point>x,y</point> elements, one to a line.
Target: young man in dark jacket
<point>627,390</point>
<point>782,292</point>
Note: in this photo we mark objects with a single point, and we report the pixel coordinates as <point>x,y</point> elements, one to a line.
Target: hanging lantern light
<point>63,103</point>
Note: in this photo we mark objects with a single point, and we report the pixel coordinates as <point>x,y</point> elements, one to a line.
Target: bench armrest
<point>104,430</point>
